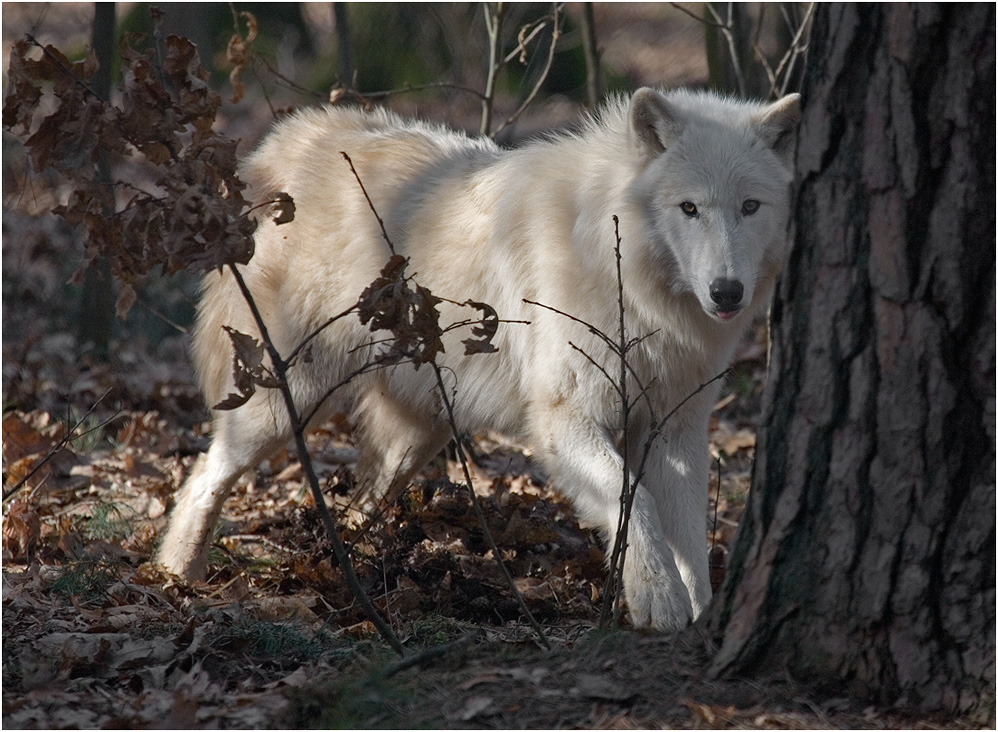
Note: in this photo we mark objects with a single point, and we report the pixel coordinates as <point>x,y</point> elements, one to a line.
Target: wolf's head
<point>713,182</point>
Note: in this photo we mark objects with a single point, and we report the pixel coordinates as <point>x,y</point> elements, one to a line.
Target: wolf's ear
<point>777,126</point>
<point>654,123</point>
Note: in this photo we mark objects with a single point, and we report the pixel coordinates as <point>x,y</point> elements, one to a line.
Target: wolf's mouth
<point>726,314</point>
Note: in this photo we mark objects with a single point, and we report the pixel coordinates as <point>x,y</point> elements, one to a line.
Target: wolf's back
<point>333,248</point>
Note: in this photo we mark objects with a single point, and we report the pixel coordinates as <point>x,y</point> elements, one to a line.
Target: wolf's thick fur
<point>700,186</point>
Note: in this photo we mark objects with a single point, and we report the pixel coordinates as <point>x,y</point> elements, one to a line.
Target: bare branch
<point>493,25</point>
<point>381,223</point>
<point>613,382</point>
<point>729,36</point>
<point>693,15</point>
<point>480,514</point>
<point>372,96</point>
<point>522,40</point>
<point>70,436</point>
<point>342,555</point>
<point>592,328</point>
<point>555,34</point>
<point>307,339</point>
<point>795,50</point>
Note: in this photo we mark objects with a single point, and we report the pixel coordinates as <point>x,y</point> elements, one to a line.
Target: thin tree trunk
<point>344,47</point>
<point>594,77</point>
<point>866,557</point>
<point>96,313</point>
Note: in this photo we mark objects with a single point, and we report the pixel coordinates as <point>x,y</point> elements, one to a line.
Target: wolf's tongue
<point>727,314</point>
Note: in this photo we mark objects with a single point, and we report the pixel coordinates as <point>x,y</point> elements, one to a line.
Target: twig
<point>441,388</point>
<point>473,321</point>
<point>286,81</point>
<point>609,342</point>
<point>421,87</point>
<point>143,302</point>
<point>555,34</point>
<point>69,72</point>
<point>493,25</point>
<point>592,328</point>
<point>522,40</point>
<point>693,15</point>
<point>477,505</point>
<point>343,557</point>
<point>70,436</point>
<point>789,58</point>
<point>726,30</point>
<point>369,366</point>
<point>381,223</point>
<point>606,374</point>
<point>657,427</point>
<point>308,339</point>
<point>717,498</point>
<point>428,654</point>
<point>794,51</point>
<point>627,489</point>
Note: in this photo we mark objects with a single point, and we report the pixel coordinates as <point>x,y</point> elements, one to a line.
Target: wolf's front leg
<point>184,548</point>
<point>243,437</point>
<point>653,586</point>
<point>676,474</point>
<point>588,468</point>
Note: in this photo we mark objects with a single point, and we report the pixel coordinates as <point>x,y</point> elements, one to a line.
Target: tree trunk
<point>96,312</point>
<point>343,45</point>
<point>866,554</point>
<point>594,77</point>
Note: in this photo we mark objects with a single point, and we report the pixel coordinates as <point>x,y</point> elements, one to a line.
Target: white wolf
<point>700,185</point>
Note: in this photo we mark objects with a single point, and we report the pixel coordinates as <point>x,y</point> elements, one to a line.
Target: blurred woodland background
<point>302,52</point>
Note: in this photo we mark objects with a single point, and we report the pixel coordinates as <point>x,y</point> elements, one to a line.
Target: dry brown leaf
<point>534,588</point>
<point>21,529</point>
<point>237,54</point>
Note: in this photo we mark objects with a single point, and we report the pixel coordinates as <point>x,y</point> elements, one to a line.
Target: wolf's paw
<point>656,595</point>
<point>183,560</point>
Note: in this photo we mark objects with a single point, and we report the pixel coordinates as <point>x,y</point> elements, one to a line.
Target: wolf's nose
<point>726,293</point>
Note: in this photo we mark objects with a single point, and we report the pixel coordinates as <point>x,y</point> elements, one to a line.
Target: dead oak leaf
<point>484,332</point>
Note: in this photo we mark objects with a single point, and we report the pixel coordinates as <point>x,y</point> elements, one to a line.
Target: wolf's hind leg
<point>395,442</point>
<point>242,438</point>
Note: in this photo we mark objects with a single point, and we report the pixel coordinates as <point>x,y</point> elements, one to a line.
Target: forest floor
<point>94,636</point>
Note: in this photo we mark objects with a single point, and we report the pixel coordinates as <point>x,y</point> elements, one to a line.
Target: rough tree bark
<point>866,557</point>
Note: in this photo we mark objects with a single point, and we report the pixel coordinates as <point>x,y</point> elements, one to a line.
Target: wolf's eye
<point>688,208</point>
<point>750,206</point>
